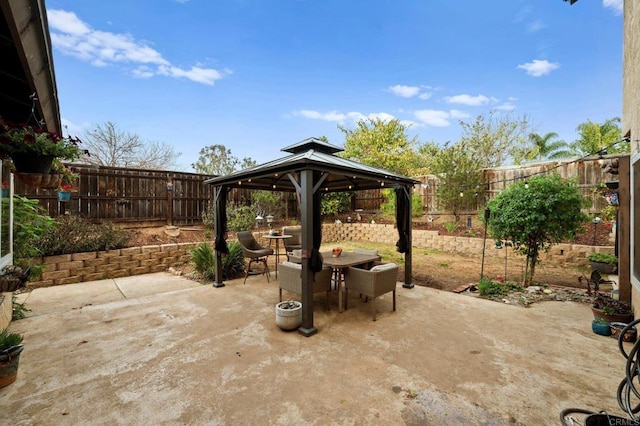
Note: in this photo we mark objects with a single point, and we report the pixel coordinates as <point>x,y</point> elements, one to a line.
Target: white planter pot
<point>289,318</point>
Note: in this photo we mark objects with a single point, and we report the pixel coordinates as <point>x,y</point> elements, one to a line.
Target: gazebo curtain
<point>315,260</point>
<point>403,216</point>
<point>221,221</point>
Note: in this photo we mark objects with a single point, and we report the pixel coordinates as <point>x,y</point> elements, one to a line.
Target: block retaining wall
<point>80,267</point>
<point>98,265</point>
<point>568,255</point>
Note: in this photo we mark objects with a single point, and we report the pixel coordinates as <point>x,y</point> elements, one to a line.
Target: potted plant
<point>33,149</point>
<point>605,263</point>
<point>64,192</point>
<point>611,310</point>
<point>289,314</point>
<point>13,278</point>
<point>601,326</point>
<point>10,349</point>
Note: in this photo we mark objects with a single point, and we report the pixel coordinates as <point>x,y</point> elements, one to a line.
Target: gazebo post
<point>306,212</point>
<point>219,230</point>
<point>408,255</point>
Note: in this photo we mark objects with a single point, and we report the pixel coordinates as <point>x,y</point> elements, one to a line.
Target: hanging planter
<point>28,162</point>
<point>41,180</point>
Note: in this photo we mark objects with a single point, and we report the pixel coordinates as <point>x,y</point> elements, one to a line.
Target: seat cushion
<point>383,267</point>
<point>292,264</point>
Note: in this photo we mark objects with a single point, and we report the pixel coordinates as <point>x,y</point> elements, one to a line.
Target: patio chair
<point>254,252</point>
<point>293,243</point>
<point>295,256</point>
<point>372,283</point>
<point>290,279</point>
<point>372,252</point>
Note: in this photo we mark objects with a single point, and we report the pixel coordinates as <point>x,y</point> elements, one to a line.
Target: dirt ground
<point>431,268</point>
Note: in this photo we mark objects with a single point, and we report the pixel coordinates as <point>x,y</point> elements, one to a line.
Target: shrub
<point>74,234</point>
<point>388,207</point>
<point>603,258</point>
<point>233,264</point>
<point>486,287</point>
<point>203,259</point>
<point>240,218</point>
<point>451,227</point>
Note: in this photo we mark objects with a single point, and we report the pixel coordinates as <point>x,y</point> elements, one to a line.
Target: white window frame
<point>635,233</point>
<point>7,259</point>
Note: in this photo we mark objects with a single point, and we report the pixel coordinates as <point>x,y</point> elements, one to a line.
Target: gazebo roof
<point>313,154</point>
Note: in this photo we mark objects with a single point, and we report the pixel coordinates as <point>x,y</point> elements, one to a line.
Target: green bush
<point>486,287</point>
<point>208,217</point>
<point>74,234</point>
<point>603,258</point>
<point>203,259</point>
<point>240,218</point>
<point>388,207</point>
<point>451,227</point>
<point>233,264</point>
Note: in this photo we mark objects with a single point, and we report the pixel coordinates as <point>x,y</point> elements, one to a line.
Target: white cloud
<point>424,96</point>
<point>454,113</point>
<point>616,5</point>
<point>433,117</point>
<point>404,91</point>
<point>469,100</point>
<point>101,48</point>
<point>507,106</point>
<point>539,67</point>
<point>340,117</point>
<point>535,26</point>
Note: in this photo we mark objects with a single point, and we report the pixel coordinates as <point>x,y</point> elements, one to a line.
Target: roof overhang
<point>27,64</point>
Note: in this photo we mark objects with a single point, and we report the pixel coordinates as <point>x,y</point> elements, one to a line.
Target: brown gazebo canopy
<point>311,170</point>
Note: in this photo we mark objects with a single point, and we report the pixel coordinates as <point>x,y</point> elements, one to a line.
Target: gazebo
<point>311,170</point>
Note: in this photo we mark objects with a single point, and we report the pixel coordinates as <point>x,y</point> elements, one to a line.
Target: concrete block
<point>84,256</point>
<point>69,280</point>
<point>73,264</point>
<point>95,276</point>
<point>118,273</point>
<point>55,275</point>
<point>56,259</point>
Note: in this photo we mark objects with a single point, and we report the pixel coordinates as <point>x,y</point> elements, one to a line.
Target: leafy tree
<point>335,202</point>
<point>218,160</point>
<point>495,139</point>
<point>383,144</point>
<point>460,174</point>
<point>110,146</point>
<point>547,146</point>
<point>595,137</point>
<point>535,215</point>
<point>388,207</point>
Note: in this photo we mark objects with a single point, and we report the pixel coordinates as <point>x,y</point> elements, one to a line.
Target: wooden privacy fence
<point>153,197</point>
<point>135,196</point>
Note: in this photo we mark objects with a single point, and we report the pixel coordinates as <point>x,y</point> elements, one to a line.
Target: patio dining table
<point>340,263</point>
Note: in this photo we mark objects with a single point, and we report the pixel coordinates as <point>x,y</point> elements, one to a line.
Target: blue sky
<point>258,75</point>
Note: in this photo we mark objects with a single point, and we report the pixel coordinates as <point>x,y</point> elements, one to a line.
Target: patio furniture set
<point>360,271</point>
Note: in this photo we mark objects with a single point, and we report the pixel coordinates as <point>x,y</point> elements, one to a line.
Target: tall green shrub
<point>535,215</point>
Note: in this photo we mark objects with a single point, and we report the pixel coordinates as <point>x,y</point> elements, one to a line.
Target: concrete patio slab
<point>148,284</point>
<point>214,356</point>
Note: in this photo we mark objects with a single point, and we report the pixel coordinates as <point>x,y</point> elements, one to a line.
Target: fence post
<point>169,202</point>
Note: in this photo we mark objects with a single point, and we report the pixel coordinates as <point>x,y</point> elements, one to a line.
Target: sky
<point>259,75</point>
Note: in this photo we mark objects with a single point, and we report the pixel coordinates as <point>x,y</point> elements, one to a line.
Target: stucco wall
<point>631,111</point>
